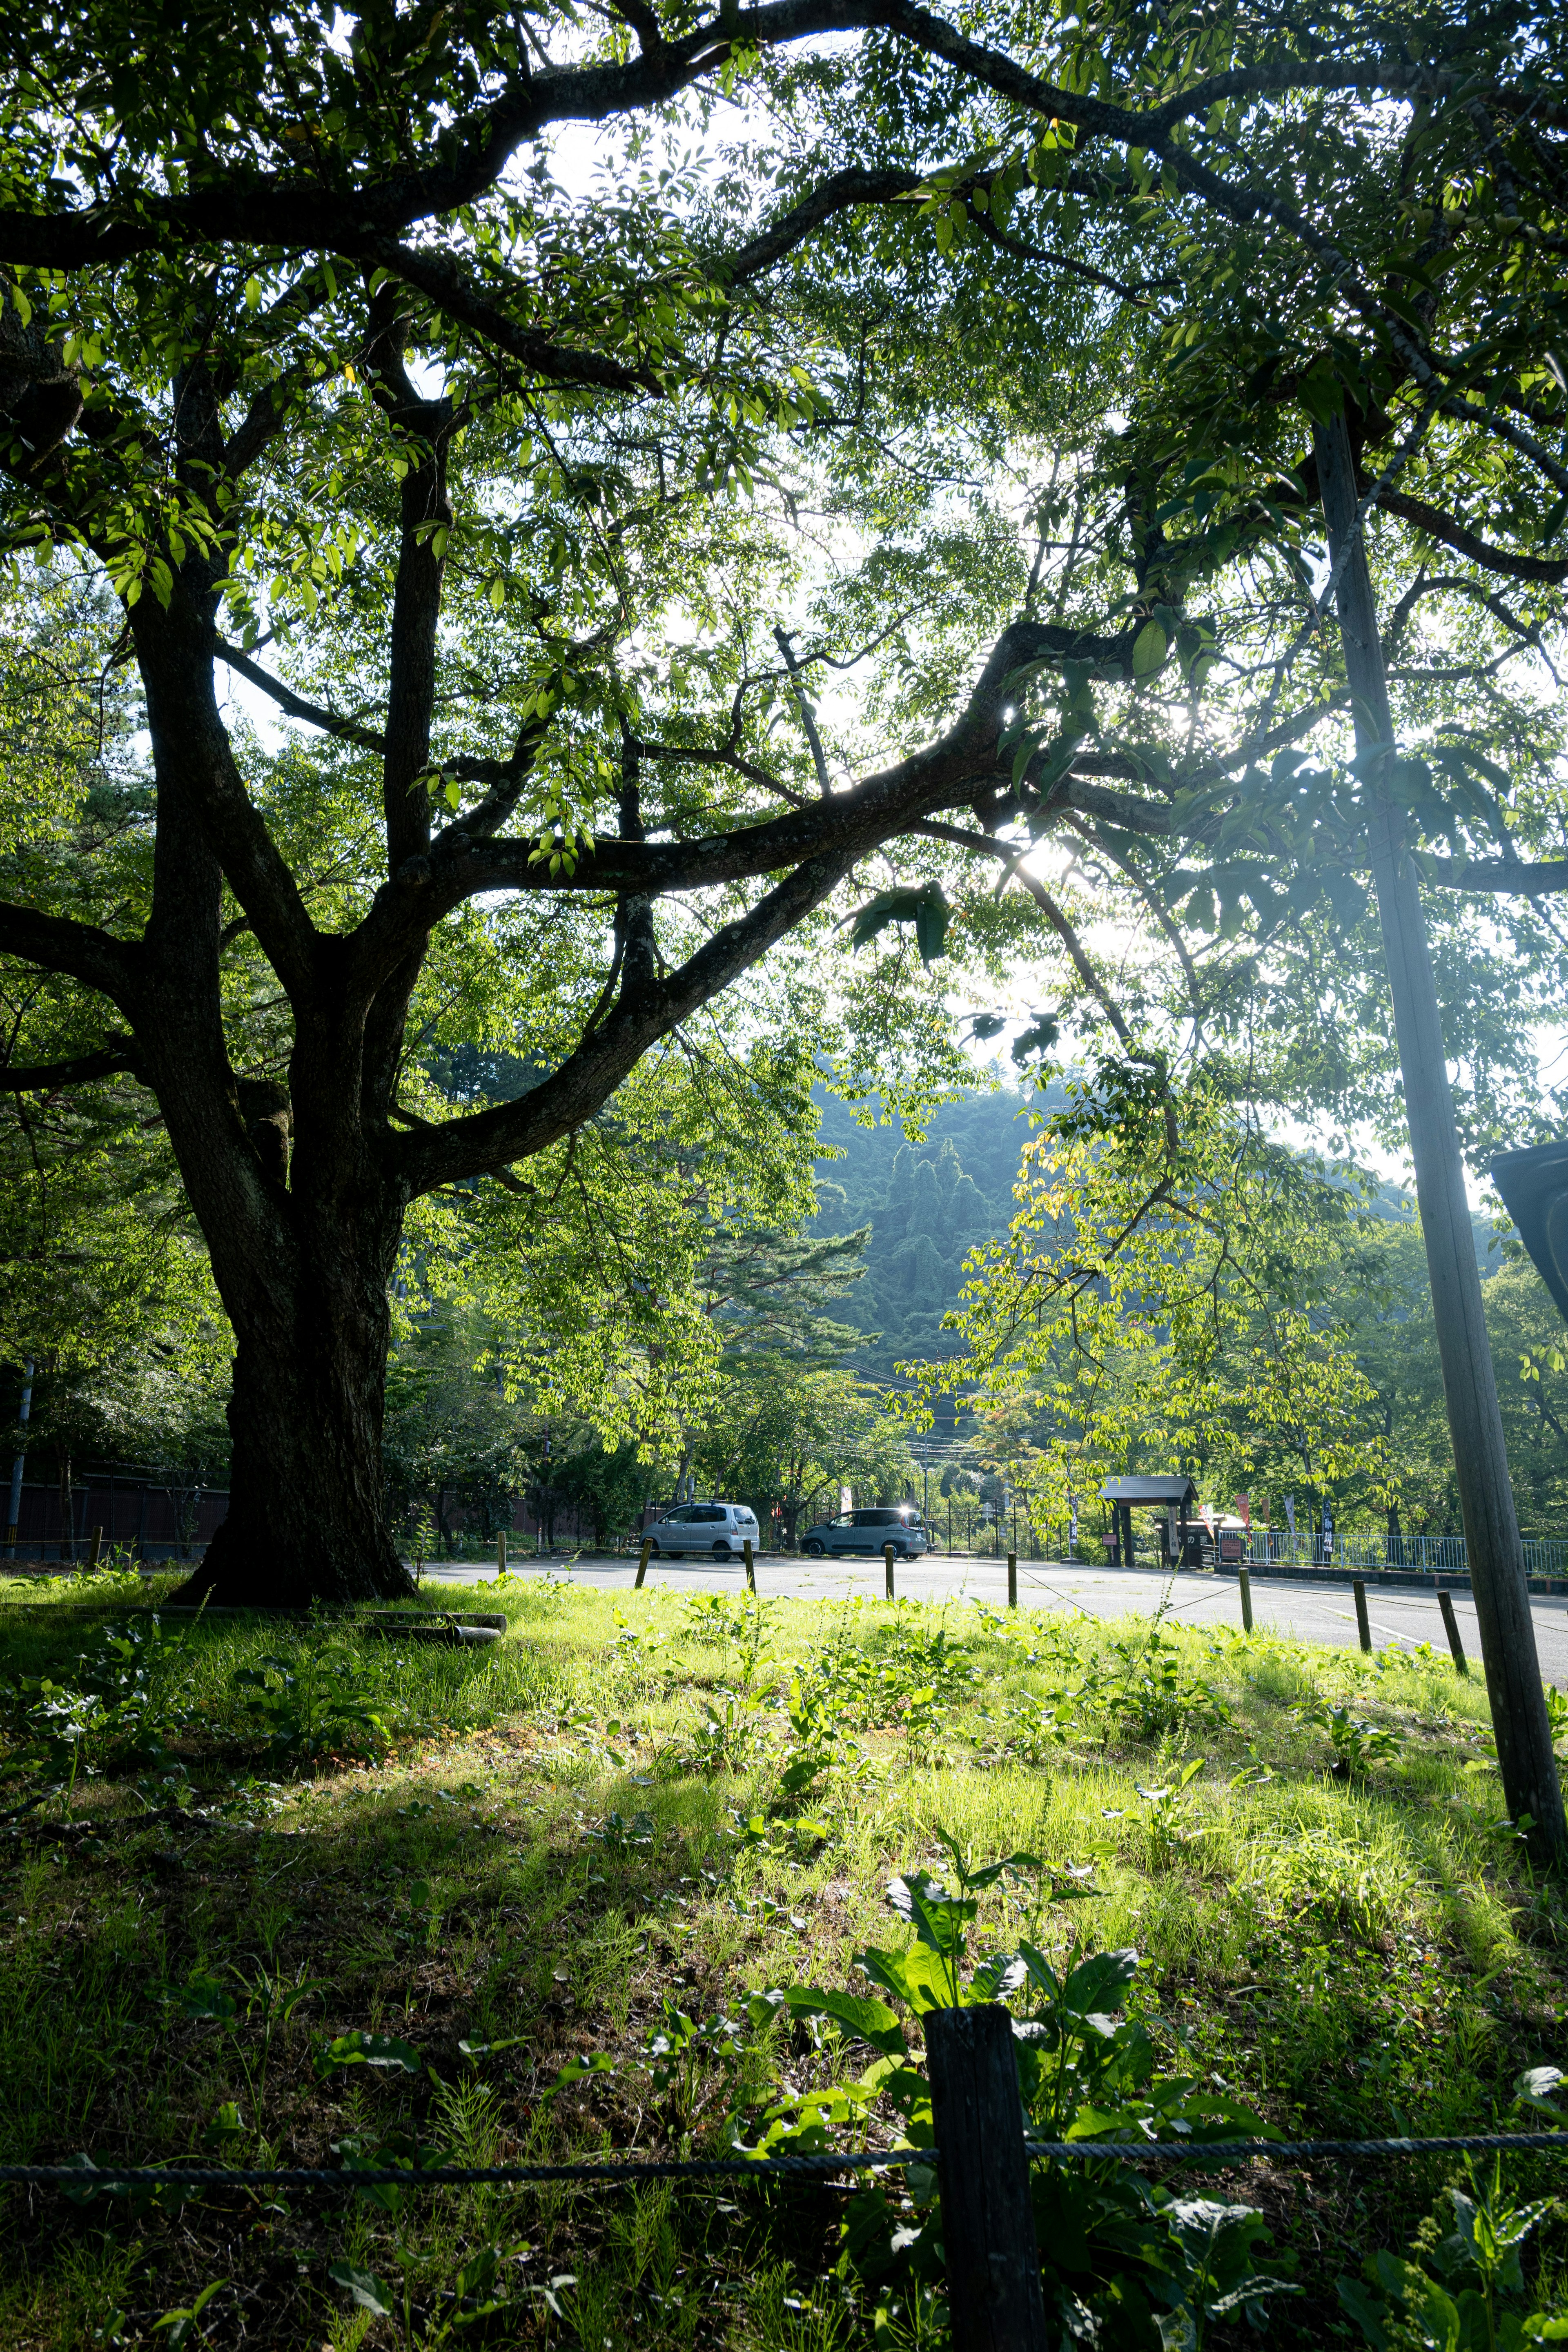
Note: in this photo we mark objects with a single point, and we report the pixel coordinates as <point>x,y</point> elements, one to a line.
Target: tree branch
<point>807,716</point>
<point>348,730</point>
<point>470,1145</point>
<point>199,784</point>
<point>425,888</point>
<point>1021,250</point>
<point>841,191</point>
<point>54,944</point>
<point>1451,533</point>
<point>433,275</point>
<point>48,1078</point>
<point>1506,874</point>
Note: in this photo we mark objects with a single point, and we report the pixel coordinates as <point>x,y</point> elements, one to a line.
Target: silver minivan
<point>717,1528</point>
<point>899,1524</point>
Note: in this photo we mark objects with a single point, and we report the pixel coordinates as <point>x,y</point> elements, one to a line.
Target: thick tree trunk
<point>1525,1757</point>
<point>302,1239</point>
<point>307,1517</point>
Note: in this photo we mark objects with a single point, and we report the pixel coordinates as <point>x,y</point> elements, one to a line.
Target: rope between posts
<point>1197,2151</point>
<point>87,2175</point>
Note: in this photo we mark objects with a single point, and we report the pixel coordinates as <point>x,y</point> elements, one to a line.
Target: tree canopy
<point>896,455</point>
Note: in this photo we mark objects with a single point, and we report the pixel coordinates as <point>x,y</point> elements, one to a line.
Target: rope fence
<point>84,2173</point>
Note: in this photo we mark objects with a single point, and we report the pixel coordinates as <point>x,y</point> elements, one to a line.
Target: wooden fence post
<point>994,2301</point>
<point>888,1563</point>
<point>95,1547</point>
<point>751,1564</point>
<point>642,1562</point>
<point>1246,1582</point>
<point>1012,1579</point>
<point>1361,1625</point>
<point>501,1552</point>
<point>1451,1627</point>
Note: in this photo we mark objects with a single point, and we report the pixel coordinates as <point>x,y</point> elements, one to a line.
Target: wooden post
<point>1501,1589</point>
<point>642,1562</point>
<point>1246,1582</point>
<point>1361,1626</point>
<point>501,1552</point>
<point>751,1564</point>
<point>1451,1627</point>
<point>994,2302</point>
<point>888,1563</point>
<point>95,1547</point>
<point>1012,1579</point>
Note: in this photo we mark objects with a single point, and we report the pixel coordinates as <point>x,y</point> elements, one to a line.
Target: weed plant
<point>326,1897</point>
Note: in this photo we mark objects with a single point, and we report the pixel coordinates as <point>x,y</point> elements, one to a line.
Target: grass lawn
<point>273,1894</point>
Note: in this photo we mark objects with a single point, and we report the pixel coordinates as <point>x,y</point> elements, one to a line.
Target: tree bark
<point>307,1518</point>
<point>1501,1590</point>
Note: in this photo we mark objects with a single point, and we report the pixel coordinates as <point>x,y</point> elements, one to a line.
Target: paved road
<point>1312,1615</point>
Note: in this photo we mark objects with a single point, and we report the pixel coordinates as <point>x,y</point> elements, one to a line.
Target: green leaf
<point>365,2288</point>
<point>1536,2084</point>
<point>1149,648</point>
<point>202,1996</point>
<point>1037,1038</point>
<point>1098,1984</point>
<point>919,1977</point>
<point>180,2322</point>
<point>576,2070</point>
<point>931,926</point>
<point>227,2124</point>
<point>868,2021</point>
<point>357,2049</point>
<point>926,907</point>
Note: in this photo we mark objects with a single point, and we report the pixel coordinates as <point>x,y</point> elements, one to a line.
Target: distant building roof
<point>1173,1489</point>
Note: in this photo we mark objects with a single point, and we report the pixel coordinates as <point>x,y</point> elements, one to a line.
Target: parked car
<point>899,1524</point>
<point>717,1529</point>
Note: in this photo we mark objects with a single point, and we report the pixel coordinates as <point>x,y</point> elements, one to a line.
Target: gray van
<point>717,1528</point>
<point>899,1524</point>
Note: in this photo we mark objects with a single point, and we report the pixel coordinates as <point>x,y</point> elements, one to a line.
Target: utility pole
<point>1502,1592</point>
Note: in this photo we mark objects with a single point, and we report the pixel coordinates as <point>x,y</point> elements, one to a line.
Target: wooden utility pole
<point>1502,1592</point>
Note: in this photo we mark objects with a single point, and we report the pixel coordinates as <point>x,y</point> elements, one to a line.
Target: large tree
<point>304,350</point>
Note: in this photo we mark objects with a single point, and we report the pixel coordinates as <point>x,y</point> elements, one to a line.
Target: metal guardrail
<point>1276,1546</point>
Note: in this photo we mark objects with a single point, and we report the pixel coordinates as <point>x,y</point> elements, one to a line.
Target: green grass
<point>543,1843</point>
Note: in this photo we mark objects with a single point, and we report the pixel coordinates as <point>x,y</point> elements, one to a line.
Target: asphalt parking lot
<point>1309,1613</point>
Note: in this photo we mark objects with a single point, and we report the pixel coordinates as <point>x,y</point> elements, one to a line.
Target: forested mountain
<point>927,1204</point>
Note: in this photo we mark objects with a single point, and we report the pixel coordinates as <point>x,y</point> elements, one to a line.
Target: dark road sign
<point>1534,1188</point>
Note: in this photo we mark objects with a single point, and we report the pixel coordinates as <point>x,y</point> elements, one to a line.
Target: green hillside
<point>927,1204</point>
